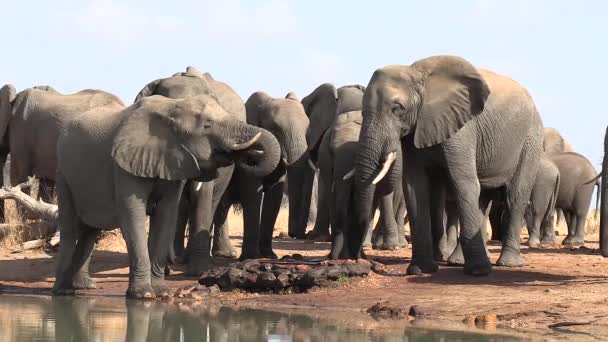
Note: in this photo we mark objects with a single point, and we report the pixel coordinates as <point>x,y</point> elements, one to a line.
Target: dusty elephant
<point>539,213</point>
<point>478,129</point>
<point>30,124</point>
<point>117,165</point>
<point>200,200</point>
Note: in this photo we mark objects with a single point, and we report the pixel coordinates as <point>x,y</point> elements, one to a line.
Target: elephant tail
<point>548,217</point>
<point>598,183</point>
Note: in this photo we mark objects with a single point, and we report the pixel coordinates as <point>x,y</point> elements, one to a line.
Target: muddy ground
<point>561,293</point>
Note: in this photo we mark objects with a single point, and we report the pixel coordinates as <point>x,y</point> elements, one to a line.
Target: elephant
<point>286,119</point>
<point>604,200</point>
<point>117,165</point>
<point>577,179</point>
<point>539,213</point>
<point>200,200</point>
<point>30,124</point>
<point>321,106</point>
<point>554,142</point>
<point>478,131</point>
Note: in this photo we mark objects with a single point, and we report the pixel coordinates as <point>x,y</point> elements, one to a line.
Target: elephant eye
<point>398,108</point>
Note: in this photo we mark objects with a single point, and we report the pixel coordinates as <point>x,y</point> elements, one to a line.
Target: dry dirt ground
<point>561,293</point>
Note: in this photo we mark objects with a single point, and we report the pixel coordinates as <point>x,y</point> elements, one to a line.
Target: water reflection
<point>111,319</point>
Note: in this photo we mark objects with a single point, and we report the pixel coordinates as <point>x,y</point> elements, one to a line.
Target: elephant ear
<point>292,96</point>
<point>255,106</point>
<point>454,92</point>
<point>149,89</point>
<point>321,108</point>
<point>7,96</point>
<point>147,143</point>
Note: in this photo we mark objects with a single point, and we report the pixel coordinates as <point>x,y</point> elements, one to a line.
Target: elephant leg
<point>399,203</point>
<point>222,247</point>
<point>320,232</point>
<point>199,233</point>
<point>339,220</point>
<point>495,216</point>
<point>416,189</point>
<point>569,224</point>
<point>390,238</point>
<point>178,253</point>
<point>517,196</point>
<point>579,237</point>
<point>547,231</point>
<point>162,230</point>
<point>456,257</point>
<point>251,200</point>
<point>270,210</point>
<point>533,222</point>
<point>82,257</point>
<point>220,206</point>
<point>438,224</point>
<point>70,227</point>
<point>131,196</point>
<point>572,222</point>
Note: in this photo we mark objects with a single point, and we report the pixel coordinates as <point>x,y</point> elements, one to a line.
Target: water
<point>68,319</point>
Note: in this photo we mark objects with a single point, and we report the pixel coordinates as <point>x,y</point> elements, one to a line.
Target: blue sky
<point>557,49</point>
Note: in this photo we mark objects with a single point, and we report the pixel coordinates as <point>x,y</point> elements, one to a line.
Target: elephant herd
<point>441,141</point>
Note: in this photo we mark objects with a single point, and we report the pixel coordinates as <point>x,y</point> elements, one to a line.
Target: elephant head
<point>177,139</point>
<point>323,105</point>
<point>7,96</point>
<point>554,142</point>
<point>423,104</point>
<point>286,119</point>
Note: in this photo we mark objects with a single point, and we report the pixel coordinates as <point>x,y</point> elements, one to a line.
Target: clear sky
<point>557,49</point>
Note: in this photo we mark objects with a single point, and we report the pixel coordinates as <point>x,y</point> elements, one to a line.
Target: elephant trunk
<point>604,201</point>
<point>257,150</point>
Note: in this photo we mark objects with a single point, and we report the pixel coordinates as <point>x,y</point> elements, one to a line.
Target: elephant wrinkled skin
<point>477,129</point>
<point>117,165</point>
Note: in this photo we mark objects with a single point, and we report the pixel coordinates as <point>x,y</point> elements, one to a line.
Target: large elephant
<point>575,192</point>
<point>321,106</point>
<point>286,119</point>
<point>478,130</point>
<point>200,199</point>
<point>539,213</point>
<point>116,165</point>
<point>30,123</point>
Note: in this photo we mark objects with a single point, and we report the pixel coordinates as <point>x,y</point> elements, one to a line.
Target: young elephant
<point>575,191</point>
<point>116,165</point>
<point>539,213</point>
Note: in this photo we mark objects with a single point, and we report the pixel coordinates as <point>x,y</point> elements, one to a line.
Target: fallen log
<point>35,209</point>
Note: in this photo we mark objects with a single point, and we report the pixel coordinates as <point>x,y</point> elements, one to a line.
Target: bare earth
<point>558,286</point>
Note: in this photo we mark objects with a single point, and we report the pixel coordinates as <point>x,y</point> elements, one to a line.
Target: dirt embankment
<point>561,290</point>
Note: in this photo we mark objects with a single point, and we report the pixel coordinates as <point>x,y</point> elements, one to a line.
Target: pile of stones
<point>291,274</point>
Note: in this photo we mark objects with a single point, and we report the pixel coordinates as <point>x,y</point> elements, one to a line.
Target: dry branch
<point>35,209</point>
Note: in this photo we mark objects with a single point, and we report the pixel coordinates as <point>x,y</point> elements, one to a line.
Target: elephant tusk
<point>258,152</point>
<point>349,175</point>
<point>193,157</point>
<point>247,144</point>
<point>199,186</point>
<point>312,165</point>
<point>390,159</point>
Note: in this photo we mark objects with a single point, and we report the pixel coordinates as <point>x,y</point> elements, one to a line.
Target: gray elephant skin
<point>478,129</point>
<point>117,165</point>
<point>604,200</point>
<point>577,180</point>
<point>539,213</point>
<point>286,119</point>
<point>200,200</point>
<point>30,124</point>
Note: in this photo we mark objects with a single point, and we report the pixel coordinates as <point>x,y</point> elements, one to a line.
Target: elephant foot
<point>161,290</point>
<point>533,242</point>
<point>510,259</point>
<point>84,282</point>
<point>573,241</point>
<point>318,235</point>
<point>195,269</point>
<point>268,253</point>
<point>140,292</point>
<point>457,257</point>
<point>385,243</point>
<point>422,266</point>
<point>250,254</point>
<point>402,241</point>
<point>548,242</point>
<point>480,268</point>
<point>63,291</point>
<point>224,253</point>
